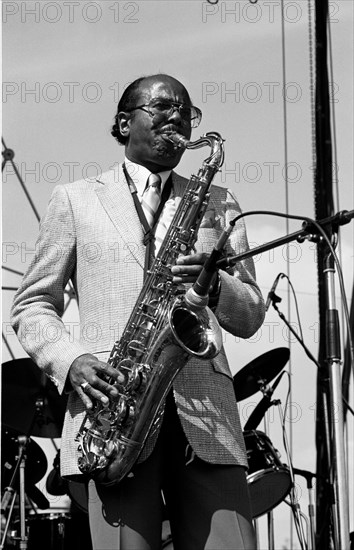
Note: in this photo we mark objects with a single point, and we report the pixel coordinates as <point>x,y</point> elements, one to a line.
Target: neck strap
<point>149,232</point>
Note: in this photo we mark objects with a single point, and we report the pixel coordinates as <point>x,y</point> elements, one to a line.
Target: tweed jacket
<point>91,235</point>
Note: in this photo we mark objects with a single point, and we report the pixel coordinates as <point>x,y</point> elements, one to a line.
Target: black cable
<point>294,506</point>
<point>335,258</point>
<point>296,304</point>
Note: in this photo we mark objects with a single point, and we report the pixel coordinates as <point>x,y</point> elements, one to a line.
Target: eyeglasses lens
<point>188,114</point>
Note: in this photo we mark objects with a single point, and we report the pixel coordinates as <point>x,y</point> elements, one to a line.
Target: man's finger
<point>88,394</point>
<point>193,259</point>
<point>107,370</point>
<point>84,398</point>
<point>98,396</point>
<point>187,270</point>
<point>184,279</point>
<point>104,387</point>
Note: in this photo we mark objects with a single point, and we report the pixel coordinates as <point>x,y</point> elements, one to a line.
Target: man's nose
<point>175,115</point>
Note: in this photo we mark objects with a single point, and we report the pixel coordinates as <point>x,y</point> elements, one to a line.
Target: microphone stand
<point>311,507</point>
<point>22,440</point>
<point>333,358</point>
<point>270,525</point>
<point>333,354</point>
<point>308,232</point>
<point>11,494</point>
<point>335,429</point>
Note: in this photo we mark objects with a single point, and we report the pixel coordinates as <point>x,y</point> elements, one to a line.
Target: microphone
<point>270,296</point>
<point>262,407</point>
<point>197,297</point>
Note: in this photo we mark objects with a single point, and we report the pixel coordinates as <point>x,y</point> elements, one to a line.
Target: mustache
<point>168,128</point>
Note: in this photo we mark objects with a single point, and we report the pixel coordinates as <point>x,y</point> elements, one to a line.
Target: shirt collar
<point>139,174</point>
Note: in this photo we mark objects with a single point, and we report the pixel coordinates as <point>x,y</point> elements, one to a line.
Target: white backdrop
<point>64,66</point>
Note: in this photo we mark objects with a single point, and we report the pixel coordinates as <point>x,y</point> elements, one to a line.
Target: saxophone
<point>161,334</point>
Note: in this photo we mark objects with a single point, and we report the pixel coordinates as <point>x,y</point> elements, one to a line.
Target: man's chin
<point>166,150</point>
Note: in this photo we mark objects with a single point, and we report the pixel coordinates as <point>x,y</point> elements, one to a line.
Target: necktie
<point>151,197</point>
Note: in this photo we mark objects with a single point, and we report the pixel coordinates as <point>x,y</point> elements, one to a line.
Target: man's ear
<point>124,123</point>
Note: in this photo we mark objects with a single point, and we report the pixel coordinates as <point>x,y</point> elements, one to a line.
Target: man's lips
<point>170,128</point>
<point>165,144</point>
<point>169,133</point>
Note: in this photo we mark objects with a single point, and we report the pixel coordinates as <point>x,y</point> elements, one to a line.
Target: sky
<point>65,65</point>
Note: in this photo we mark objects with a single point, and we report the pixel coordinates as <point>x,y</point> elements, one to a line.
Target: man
<point>93,234</point>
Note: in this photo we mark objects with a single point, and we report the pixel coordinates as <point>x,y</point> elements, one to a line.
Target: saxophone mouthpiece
<point>179,141</point>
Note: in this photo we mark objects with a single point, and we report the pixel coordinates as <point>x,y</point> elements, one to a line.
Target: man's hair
<point>126,102</point>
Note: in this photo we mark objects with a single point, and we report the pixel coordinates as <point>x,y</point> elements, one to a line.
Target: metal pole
<point>22,440</point>
<point>339,472</point>
<point>270,523</point>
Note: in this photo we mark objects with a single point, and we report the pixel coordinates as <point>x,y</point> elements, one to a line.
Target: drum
<point>269,480</point>
<point>48,532</point>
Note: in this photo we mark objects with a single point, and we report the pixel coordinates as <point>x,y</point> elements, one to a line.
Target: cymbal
<point>31,403</point>
<point>36,461</point>
<point>259,372</point>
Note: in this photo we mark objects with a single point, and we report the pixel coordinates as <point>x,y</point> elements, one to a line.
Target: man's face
<point>145,144</point>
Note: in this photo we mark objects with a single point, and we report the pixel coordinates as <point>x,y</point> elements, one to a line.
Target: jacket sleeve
<point>240,309</point>
<point>39,302</point>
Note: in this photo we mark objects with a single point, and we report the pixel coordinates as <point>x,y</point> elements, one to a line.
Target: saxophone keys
<point>135,348</point>
<point>131,413</point>
<point>134,376</point>
<point>125,366</point>
<point>125,410</point>
<point>121,408</point>
<point>143,372</point>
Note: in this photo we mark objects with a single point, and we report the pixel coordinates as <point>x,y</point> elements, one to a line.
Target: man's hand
<point>188,268</point>
<point>86,374</point>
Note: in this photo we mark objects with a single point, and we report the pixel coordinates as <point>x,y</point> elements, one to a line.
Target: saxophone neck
<point>211,139</point>
<point>217,153</point>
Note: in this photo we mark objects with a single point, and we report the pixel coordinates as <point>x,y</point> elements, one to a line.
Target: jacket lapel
<point>116,199</point>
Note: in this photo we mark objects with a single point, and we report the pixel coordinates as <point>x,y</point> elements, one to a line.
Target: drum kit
<point>269,480</point>
<point>31,406</point>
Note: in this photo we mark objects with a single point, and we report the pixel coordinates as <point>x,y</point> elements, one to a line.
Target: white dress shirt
<point>139,175</point>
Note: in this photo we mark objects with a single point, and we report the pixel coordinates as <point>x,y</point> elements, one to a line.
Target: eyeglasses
<point>163,107</point>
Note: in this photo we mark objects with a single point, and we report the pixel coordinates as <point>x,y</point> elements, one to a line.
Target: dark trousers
<point>207,505</point>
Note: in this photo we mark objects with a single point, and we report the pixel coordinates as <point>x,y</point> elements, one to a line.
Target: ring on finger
<point>84,386</point>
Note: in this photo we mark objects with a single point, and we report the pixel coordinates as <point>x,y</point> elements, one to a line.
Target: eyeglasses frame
<point>174,105</point>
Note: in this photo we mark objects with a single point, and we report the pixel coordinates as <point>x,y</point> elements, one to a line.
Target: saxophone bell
<point>196,331</point>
